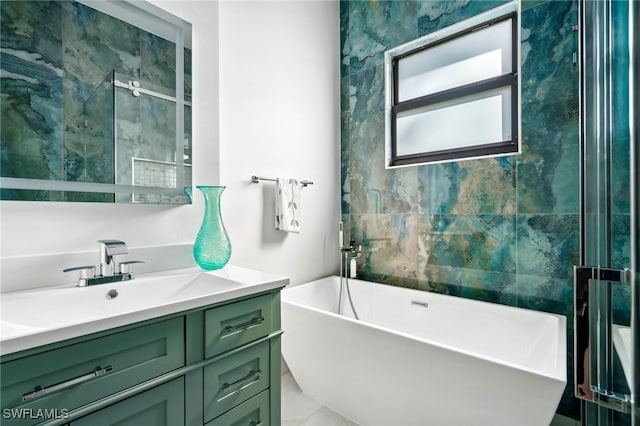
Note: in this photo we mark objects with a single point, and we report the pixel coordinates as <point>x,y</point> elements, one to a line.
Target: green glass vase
<point>212,248</point>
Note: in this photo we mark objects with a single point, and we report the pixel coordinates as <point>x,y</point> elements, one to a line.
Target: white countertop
<point>34,318</point>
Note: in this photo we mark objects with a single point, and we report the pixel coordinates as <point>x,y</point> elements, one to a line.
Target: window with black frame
<point>454,94</point>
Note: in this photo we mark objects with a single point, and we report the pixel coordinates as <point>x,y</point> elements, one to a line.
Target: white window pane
<point>465,122</point>
<point>473,57</point>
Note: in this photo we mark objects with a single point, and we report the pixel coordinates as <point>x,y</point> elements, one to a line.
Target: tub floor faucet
<point>349,255</point>
<point>352,249</point>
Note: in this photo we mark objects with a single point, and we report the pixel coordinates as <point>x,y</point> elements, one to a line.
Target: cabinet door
<point>253,412</point>
<point>67,378</point>
<point>234,379</point>
<point>160,406</point>
<point>229,326</point>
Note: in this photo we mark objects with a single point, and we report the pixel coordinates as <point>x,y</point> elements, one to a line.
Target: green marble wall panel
<point>390,247</point>
<point>469,187</point>
<point>547,169</point>
<point>468,255</point>
<point>548,247</point>
<point>436,14</point>
<point>503,229</point>
<point>345,157</point>
<point>375,26</point>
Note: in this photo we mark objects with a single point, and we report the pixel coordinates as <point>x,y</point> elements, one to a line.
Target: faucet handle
<point>125,267</point>
<point>86,272</point>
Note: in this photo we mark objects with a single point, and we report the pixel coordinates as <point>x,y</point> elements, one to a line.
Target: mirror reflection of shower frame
<point>148,156</point>
<point>145,16</point>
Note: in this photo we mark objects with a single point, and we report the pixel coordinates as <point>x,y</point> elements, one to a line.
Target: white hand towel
<point>288,205</point>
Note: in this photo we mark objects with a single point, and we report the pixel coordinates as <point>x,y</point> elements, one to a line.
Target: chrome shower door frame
<point>609,34</point>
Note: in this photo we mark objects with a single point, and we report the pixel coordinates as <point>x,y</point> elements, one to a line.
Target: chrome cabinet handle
<point>585,338</point>
<point>244,325</point>
<point>40,391</point>
<point>253,376</point>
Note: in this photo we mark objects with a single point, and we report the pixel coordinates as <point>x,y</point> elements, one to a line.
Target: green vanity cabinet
<point>252,412</point>
<point>235,379</point>
<point>72,376</point>
<point>162,405</point>
<point>232,325</point>
<point>217,364</point>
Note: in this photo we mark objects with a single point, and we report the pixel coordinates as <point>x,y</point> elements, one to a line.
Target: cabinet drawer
<point>72,376</point>
<point>234,379</point>
<point>233,325</point>
<point>252,412</point>
<point>160,406</point>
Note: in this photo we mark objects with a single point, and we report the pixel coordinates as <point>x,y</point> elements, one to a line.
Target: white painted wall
<point>280,116</point>
<point>289,103</point>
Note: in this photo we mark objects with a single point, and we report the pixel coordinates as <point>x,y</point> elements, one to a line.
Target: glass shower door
<point>606,326</point>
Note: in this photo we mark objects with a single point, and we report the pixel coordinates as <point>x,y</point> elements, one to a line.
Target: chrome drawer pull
<point>40,391</point>
<point>244,325</point>
<point>258,423</point>
<point>253,376</point>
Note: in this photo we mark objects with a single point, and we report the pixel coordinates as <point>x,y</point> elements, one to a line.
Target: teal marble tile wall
<point>503,229</point>
<point>58,119</point>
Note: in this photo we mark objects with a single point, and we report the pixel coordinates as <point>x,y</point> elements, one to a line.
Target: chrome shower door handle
<point>587,336</point>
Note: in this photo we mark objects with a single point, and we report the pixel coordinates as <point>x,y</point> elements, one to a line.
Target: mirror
<point>95,102</point>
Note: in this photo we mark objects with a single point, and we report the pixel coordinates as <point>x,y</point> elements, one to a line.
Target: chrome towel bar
<point>257,179</point>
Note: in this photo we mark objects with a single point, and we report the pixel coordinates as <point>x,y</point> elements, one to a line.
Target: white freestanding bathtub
<point>421,358</point>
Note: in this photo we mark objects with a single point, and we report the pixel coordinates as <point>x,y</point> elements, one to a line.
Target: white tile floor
<point>300,410</point>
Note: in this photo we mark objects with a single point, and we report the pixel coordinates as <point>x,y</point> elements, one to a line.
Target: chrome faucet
<point>108,273</point>
<point>352,249</point>
<point>108,249</point>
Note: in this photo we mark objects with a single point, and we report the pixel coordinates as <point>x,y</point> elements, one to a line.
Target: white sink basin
<point>36,317</point>
<point>71,305</point>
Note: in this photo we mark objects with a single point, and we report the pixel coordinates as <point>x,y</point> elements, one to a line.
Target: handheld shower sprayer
<point>348,256</point>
